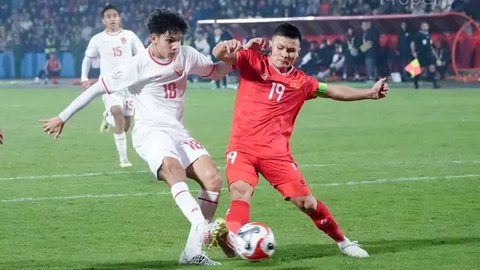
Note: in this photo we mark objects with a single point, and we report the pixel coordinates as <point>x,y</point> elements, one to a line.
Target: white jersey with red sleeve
<point>158,88</point>
<point>113,49</point>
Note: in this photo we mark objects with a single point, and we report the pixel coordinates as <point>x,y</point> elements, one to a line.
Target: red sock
<point>325,222</point>
<point>238,215</point>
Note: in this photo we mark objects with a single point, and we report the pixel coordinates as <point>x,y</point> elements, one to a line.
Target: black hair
<point>107,7</point>
<point>288,30</point>
<point>162,21</point>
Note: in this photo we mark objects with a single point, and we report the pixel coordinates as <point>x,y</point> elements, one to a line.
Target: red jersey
<point>266,106</point>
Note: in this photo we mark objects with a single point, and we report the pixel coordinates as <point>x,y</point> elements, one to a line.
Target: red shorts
<point>282,174</point>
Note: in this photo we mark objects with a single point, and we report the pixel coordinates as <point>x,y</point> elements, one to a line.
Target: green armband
<point>321,90</point>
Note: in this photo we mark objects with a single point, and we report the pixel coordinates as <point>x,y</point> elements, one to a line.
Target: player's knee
<point>309,205</point>
<point>304,203</point>
<point>116,111</point>
<point>213,181</point>
<point>241,190</point>
<point>171,171</point>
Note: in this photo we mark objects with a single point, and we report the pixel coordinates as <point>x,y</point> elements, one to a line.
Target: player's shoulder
<point>98,36</point>
<point>251,53</point>
<point>187,49</point>
<point>299,75</point>
<point>129,32</point>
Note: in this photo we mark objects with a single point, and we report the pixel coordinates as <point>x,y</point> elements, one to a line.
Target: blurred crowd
<point>57,26</point>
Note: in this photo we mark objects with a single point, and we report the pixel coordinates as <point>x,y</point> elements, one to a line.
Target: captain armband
<point>321,90</point>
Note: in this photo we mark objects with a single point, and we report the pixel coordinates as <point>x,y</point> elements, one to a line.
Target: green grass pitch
<point>401,175</point>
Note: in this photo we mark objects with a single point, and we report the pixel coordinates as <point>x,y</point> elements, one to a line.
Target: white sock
<point>208,201</point>
<point>344,243</point>
<point>121,143</point>
<point>191,210</point>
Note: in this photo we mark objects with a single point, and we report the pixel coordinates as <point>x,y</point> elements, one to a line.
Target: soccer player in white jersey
<point>157,78</point>
<point>114,47</point>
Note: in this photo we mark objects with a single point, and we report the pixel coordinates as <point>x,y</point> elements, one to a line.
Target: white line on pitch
<point>93,174</point>
<point>142,194</point>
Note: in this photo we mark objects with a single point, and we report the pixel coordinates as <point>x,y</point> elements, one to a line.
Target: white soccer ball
<point>255,241</point>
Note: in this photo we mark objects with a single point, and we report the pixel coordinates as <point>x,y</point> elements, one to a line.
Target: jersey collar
<point>156,60</point>
<point>278,71</point>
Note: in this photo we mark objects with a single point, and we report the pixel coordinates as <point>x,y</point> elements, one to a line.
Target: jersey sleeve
<point>314,88</point>
<point>198,63</point>
<point>92,48</point>
<point>121,77</point>
<point>245,58</point>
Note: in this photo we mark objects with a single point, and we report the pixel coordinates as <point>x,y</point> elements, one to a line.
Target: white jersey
<point>113,49</point>
<point>158,88</point>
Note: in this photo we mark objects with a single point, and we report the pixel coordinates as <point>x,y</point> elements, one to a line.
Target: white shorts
<point>154,143</point>
<point>121,98</point>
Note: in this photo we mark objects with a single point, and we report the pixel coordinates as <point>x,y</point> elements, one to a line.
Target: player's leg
<point>204,171</point>
<point>114,104</point>
<point>242,180</point>
<point>287,179</point>
<point>128,110</point>
<point>323,219</point>
<point>55,74</point>
<point>158,149</point>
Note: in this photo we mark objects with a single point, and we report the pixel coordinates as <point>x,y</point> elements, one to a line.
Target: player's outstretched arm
<point>86,63</point>
<point>346,93</point>
<point>220,70</point>
<point>226,51</point>
<point>55,124</point>
<point>1,136</point>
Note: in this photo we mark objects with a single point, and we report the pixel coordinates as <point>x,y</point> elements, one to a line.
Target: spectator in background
<point>311,60</point>
<point>50,45</point>
<point>369,48</point>
<point>326,54</point>
<point>17,49</point>
<point>421,47</point>
<point>218,35</point>
<point>441,54</point>
<point>336,64</point>
<point>201,43</point>
<point>64,46</point>
<point>403,48</point>
<point>352,53</point>
<point>77,48</point>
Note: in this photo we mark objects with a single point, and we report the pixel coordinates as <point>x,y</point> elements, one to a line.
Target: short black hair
<point>288,30</point>
<point>162,21</point>
<point>107,7</point>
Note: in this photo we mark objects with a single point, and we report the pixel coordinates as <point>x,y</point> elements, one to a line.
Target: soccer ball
<point>255,241</point>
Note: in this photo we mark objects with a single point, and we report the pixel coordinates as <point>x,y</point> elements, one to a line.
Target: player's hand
<point>1,137</point>
<point>53,126</point>
<point>256,44</point>
<point>380,89</point>
<point>232,46</point>
<point>85,84</point>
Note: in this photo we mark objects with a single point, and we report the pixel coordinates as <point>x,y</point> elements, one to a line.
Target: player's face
<point>166,45</point>
<point>425,27</point>
<point>285,52</point>
<point>111,20</point>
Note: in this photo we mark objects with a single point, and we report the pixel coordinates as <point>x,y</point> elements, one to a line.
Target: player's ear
<point>153,38</point>
<point>270,44</point>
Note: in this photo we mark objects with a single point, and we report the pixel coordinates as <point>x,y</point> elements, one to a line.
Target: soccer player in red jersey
<point>269,97</point>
